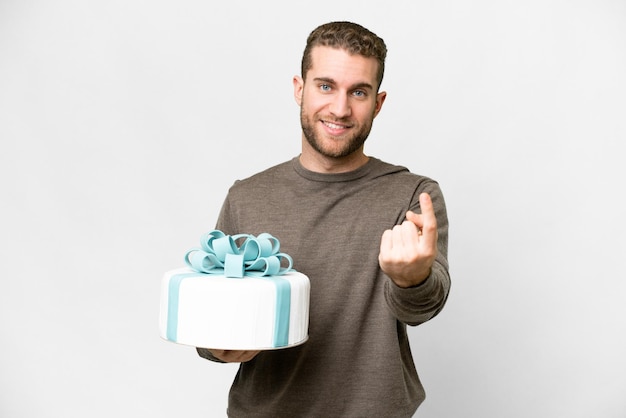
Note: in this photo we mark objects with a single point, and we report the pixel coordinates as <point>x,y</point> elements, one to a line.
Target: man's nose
<point>340,106</point>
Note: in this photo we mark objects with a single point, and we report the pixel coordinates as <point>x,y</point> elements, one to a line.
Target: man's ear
<point>298,87</point>
<point>380,99</point>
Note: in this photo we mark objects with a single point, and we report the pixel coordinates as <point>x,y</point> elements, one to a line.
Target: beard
<point>345,146</point>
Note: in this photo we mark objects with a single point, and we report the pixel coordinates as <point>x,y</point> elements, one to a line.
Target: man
<point>371,237</point>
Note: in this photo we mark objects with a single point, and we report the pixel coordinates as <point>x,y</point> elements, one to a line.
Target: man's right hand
<point>234,356</point>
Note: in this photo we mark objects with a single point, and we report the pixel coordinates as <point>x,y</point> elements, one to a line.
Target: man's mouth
<point>335,126</point>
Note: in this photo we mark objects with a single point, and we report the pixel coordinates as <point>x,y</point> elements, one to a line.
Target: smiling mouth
<point>335,126</point>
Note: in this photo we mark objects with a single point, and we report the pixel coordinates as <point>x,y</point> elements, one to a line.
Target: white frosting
<point>233,313</point>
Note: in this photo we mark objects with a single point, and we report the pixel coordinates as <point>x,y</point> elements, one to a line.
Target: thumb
<point>426,205</point>
<point>414,217</point>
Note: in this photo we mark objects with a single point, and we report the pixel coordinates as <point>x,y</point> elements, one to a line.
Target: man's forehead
<point>338,61</point>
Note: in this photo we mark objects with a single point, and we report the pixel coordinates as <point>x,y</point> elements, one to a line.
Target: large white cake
<point>255,308</point>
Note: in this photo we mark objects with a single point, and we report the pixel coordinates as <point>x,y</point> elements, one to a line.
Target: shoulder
<point>281,170</point>
<point>398,174</point>
<point>262,184</point>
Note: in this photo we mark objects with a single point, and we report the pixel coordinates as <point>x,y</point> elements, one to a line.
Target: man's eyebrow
<point>362,85</point>
<point>324,80</point>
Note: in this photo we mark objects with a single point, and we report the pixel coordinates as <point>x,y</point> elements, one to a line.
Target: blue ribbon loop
<point>256,256</point>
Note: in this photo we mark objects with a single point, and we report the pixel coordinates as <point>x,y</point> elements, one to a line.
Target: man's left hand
<point>407,251</point>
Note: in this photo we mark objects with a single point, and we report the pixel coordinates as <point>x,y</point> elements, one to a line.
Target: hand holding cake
<point>234,356</point>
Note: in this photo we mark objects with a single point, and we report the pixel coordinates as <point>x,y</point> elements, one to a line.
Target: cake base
<point>249,313</point>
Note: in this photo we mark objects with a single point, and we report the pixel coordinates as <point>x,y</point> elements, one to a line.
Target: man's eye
<point>359,93</point>
<point>325,87</point>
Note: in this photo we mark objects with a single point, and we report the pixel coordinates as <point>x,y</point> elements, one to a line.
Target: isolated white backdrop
<point>123,123</point>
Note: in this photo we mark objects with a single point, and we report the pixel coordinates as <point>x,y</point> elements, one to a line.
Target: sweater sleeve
<point>418,304</point>
<point>206,354</point>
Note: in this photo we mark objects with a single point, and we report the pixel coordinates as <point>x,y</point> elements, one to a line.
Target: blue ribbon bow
<point>256,256</point>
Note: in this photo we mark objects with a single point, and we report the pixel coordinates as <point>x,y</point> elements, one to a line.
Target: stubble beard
<point>351,144</point>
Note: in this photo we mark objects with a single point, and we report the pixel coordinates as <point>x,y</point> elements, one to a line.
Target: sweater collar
<point>334,177</point>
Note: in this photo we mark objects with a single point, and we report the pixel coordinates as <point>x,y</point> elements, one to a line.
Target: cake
<point>235,297</point>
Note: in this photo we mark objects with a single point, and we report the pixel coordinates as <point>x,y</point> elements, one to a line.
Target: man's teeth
<point>334,125</point>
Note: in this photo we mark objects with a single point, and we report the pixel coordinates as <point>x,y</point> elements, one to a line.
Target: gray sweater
<point>357,361</point>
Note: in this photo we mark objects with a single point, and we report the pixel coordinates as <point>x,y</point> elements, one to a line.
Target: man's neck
<point>314,161</point>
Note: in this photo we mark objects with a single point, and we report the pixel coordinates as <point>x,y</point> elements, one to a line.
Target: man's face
<point>338,101</point>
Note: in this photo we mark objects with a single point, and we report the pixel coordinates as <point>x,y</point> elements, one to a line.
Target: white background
<point>123,123</point>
